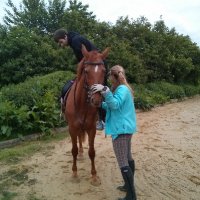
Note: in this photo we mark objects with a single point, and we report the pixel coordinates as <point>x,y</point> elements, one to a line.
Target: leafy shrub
<point>167,89</point>
<point>13,121</point>
<point>191,90</point>
<point>31,91</point>
<point>159,98</point>
<point>44,114</point>
<point>151,94</point>
<point>32,106</point>
<point>146,99</point>
<point>141,98</point>
<point>143,102</point>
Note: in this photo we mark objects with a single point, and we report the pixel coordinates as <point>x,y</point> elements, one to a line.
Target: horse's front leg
<point>91,153</point>
<point>74,154</point>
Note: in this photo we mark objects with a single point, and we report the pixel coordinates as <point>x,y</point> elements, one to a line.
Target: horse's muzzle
<point>96,100</point>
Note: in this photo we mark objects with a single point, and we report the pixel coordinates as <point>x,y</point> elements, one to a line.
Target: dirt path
<point>166,150</point>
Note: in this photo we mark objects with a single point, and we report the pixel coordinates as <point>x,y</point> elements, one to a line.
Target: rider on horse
<point>74,40</point>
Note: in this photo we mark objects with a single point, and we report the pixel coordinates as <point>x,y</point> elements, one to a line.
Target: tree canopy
<point>147,52</point>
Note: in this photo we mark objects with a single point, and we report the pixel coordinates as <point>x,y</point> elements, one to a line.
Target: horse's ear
<point>84,50</point>
<point>105,53</point>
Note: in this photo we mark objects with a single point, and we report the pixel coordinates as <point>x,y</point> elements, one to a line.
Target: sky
<point>183,15</point>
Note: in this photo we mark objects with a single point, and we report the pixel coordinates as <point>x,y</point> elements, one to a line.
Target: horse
<point>82,105</point>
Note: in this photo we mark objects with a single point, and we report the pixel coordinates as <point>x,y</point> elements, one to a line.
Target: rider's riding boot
<point>129,182</point>
<point>100,125</point>
<point>131,163</point>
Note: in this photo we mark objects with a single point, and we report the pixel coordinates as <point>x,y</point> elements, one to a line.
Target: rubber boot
<point>132,166</point>
<point>128,179</point>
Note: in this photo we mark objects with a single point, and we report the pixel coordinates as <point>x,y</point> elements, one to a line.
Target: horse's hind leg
<point>80,152</point>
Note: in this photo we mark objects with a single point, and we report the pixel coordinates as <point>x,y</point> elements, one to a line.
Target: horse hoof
<point>80,157</point>
<point>75,178</point>
<point>95,181</point>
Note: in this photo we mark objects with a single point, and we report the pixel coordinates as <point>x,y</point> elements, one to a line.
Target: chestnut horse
<point>82,106</point>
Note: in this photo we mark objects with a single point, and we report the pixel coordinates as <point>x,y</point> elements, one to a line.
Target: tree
<point>32,14</point>
<point>24,53</point>
<point>148,52</point>
<point>36,15</point>
<point>78,18</point>
<point>56,13</point>
<point>160,27</point>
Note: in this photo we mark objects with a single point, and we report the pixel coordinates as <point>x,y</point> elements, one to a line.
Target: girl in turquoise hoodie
<point>120,124</point>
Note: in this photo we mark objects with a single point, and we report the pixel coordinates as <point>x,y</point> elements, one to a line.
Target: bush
<point>191,90</point>
<point>14,121</point>
<point>141,98</point>
<point>31,91</point>
<point>146,99</point>
<point>32,106</point>
<point>44,115</point>
<point>151,94</point>
<point>167,89</point>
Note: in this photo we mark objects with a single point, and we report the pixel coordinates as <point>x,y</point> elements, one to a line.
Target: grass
<point>25,149</point>
<point>6,195</point>
<point>33,197</point>
<point>17,175</point>
<point>14,176</point>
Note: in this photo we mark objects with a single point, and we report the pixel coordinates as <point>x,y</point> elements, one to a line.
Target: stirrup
<point>61,114</point>
<point>61,107</point>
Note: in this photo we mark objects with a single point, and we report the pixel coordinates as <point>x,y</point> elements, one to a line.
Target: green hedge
<point>30,91</point>
<point>149,95</point>
<point>191,90</point>
<point>32,106</point>
<point>170,90</point>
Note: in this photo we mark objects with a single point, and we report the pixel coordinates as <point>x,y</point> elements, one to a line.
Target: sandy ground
<point>166,150</point>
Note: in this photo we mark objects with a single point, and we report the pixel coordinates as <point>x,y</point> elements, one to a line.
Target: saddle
<point>64,94</point>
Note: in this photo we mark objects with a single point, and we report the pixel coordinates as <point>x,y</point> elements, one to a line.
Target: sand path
<point>166,150</point>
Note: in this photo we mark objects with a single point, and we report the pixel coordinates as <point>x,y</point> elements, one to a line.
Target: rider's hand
<point>99,88</point>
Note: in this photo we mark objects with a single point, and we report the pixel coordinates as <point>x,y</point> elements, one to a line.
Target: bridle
<point>86,85</point>
<point>88,91</point>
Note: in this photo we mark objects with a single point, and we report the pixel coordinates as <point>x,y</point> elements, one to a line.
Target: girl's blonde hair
<point>119,73</point>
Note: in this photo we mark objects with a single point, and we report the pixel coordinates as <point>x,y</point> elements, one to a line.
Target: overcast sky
<point>184,15</point>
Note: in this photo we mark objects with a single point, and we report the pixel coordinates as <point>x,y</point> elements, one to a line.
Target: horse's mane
<point>80,68</point>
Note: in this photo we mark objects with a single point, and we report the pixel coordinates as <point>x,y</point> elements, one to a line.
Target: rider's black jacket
<point>75,41</point>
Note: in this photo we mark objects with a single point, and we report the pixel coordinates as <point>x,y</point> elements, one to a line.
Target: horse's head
<point>93,71</point>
